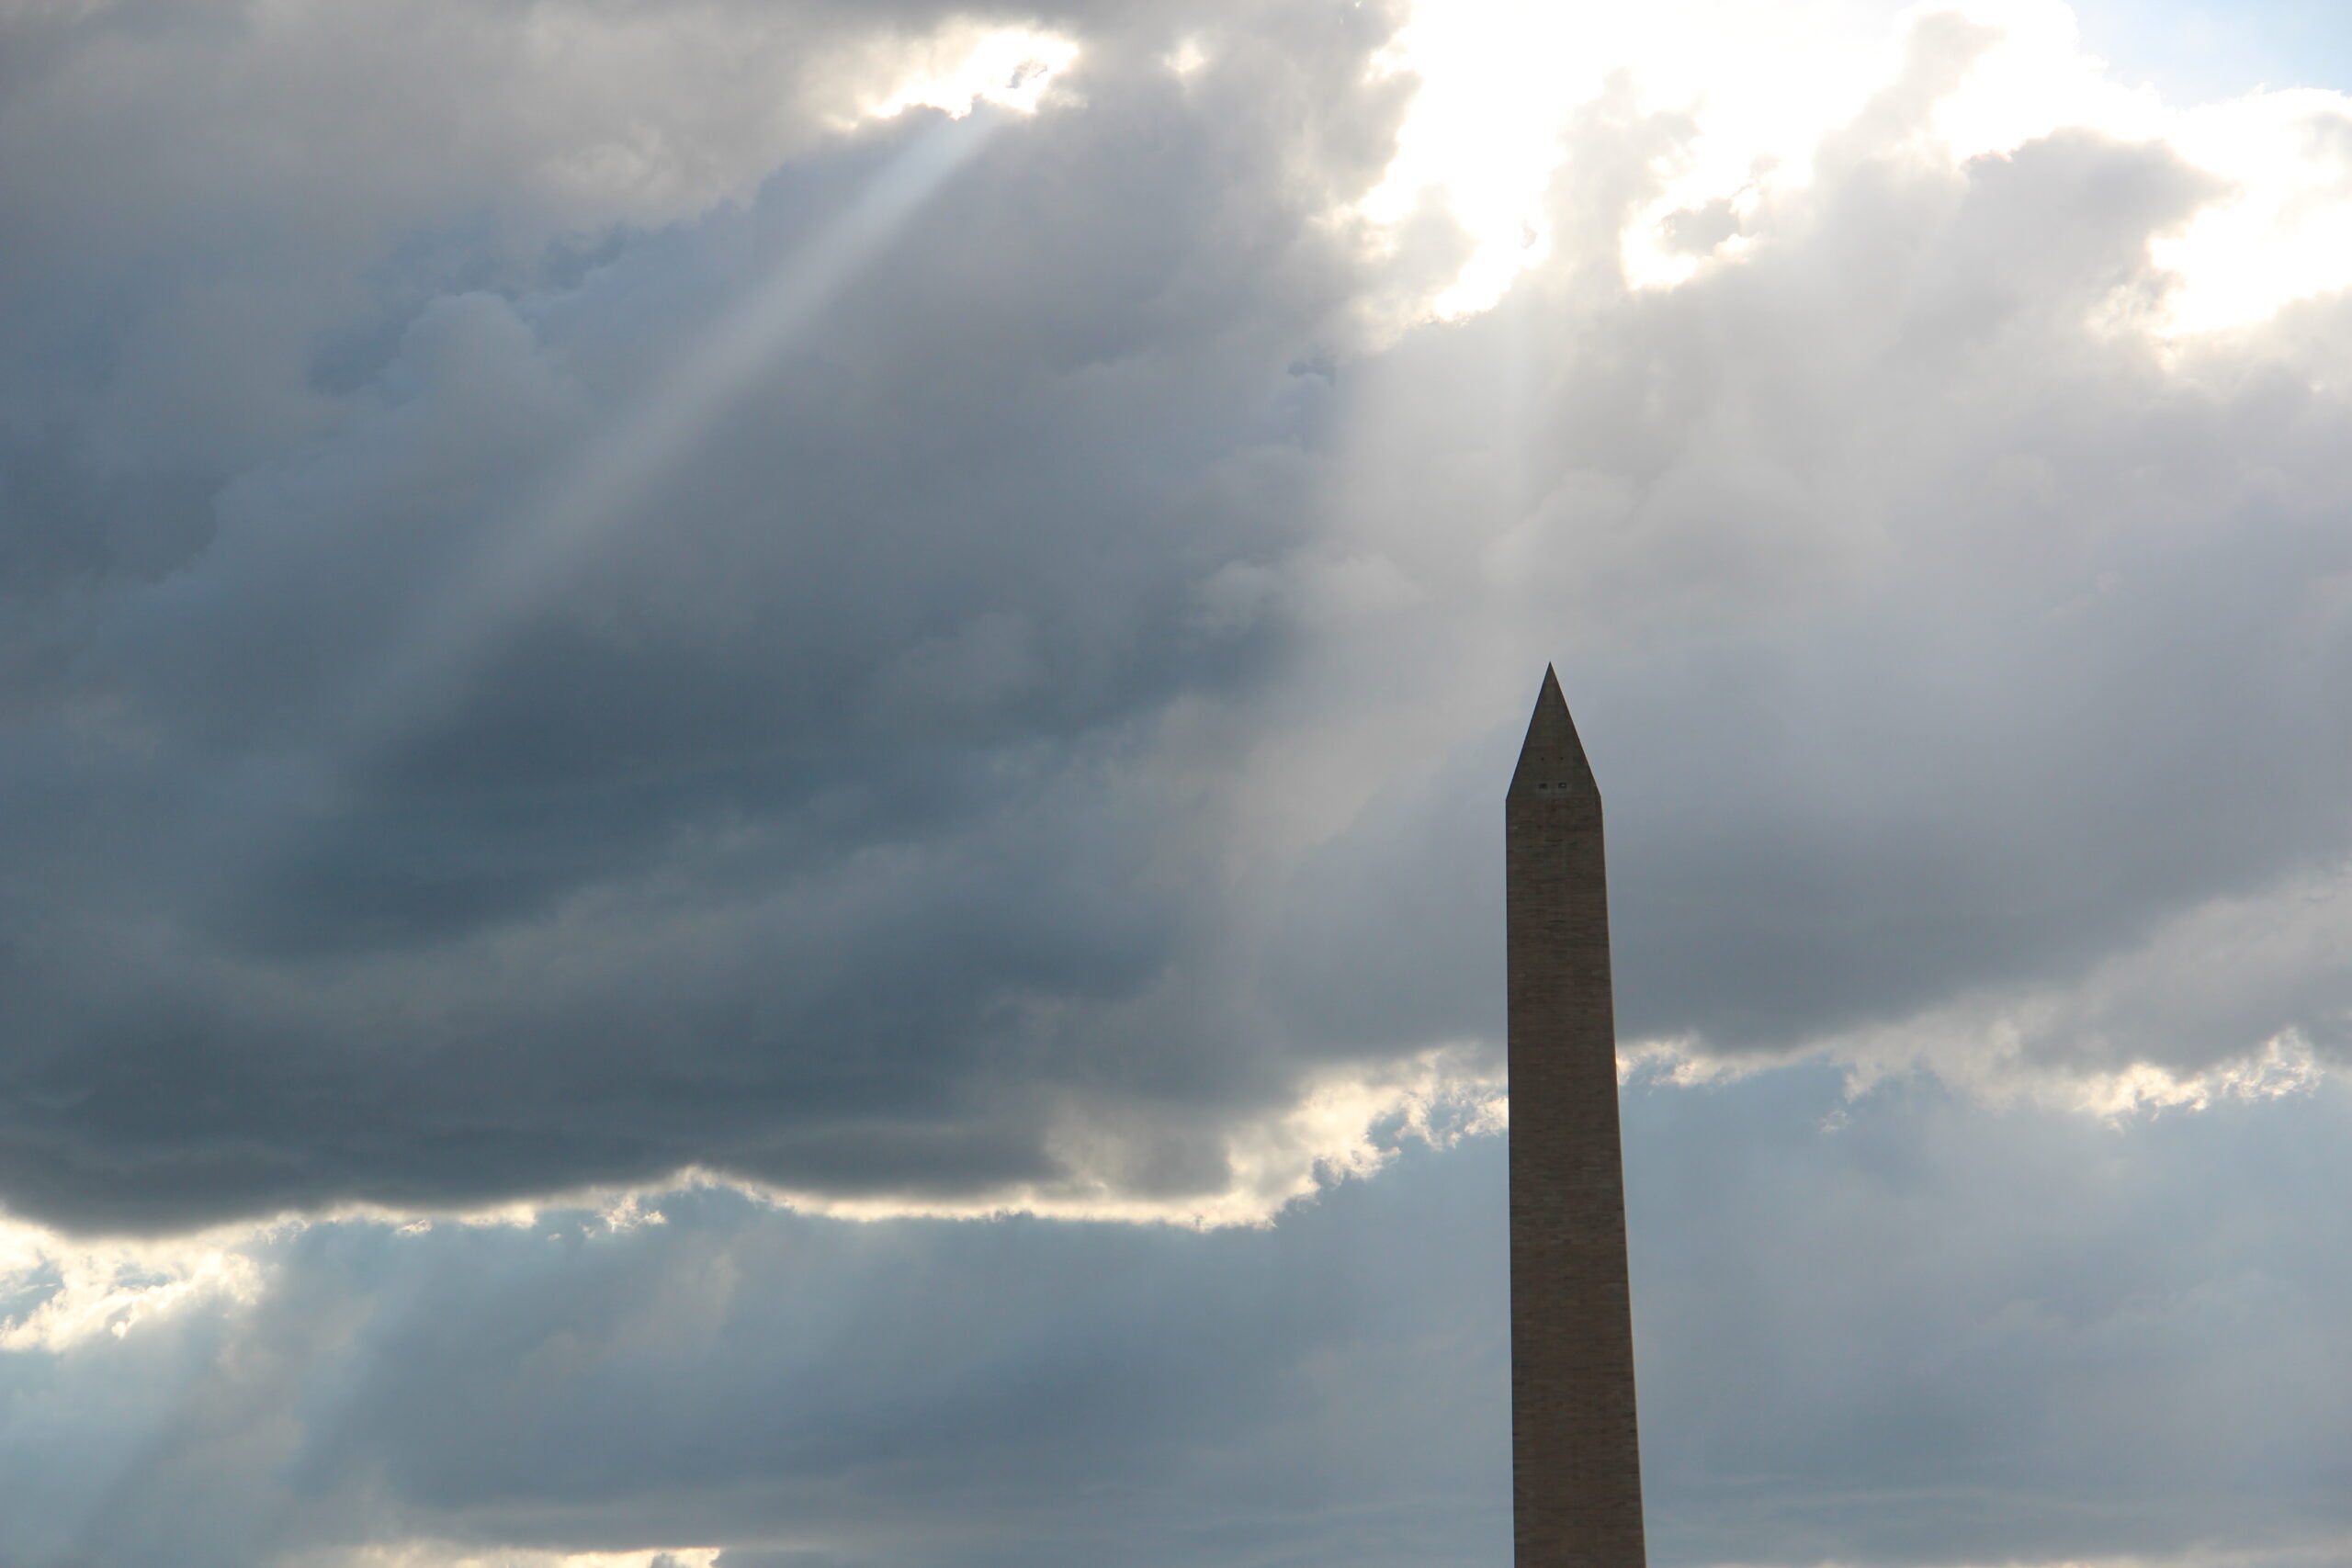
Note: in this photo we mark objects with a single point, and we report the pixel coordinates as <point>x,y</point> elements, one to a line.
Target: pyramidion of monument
<point>1552,760</point>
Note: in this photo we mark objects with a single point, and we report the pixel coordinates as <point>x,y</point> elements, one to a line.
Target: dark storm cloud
<point>781,822</point>
<point>1036,720</point>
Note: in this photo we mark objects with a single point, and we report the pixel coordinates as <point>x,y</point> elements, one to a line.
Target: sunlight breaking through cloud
<point>1500,81</point>
<point>961,69</point>
<point>581,508</point>
<point>57,1292</point>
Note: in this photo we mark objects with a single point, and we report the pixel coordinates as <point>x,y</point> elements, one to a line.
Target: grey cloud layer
<point>1908,1330</point>
<point>1058,705</point>
<point>1905,1329</point>
<point>800,1391</point>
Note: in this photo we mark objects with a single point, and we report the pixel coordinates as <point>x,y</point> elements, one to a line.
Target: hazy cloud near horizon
<point>1934,1334</point>
<point>577,607</point>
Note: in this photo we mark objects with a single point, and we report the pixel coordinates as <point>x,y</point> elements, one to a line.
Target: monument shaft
<point>1576,1456</point>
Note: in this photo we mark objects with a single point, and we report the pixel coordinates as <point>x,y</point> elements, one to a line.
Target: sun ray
<point>583,508</point>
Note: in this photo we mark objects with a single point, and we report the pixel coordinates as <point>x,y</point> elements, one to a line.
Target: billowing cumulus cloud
<point>1953,625</point>
<point>664,630</point>
<point>587,791</point>
<point>968,673</point>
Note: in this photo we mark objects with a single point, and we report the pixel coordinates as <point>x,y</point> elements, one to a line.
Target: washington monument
<point>1576,1461</point>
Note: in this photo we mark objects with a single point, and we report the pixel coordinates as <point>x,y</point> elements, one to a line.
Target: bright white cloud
<point>57,1292</point>
<point>963,67</point>
<point>1763,88</point>
<point>2285,232</point>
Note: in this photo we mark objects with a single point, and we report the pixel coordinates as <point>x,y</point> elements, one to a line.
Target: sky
<point>751,761</point>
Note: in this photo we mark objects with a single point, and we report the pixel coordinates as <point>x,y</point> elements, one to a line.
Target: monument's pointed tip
<point>1550,759</point>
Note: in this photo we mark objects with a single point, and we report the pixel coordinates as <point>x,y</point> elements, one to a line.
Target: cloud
<point>598,682</point>
<point>1938,620</point>
<point>789,1388</point>
<point>1907,1327</point>
<point>1913,1329</point>
<point>1029,738</point>
<point>803,761</point>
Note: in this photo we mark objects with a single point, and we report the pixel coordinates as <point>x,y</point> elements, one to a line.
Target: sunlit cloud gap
<point>1500,82</point>
<point>1010,68</point>
<point>58,1291</point>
